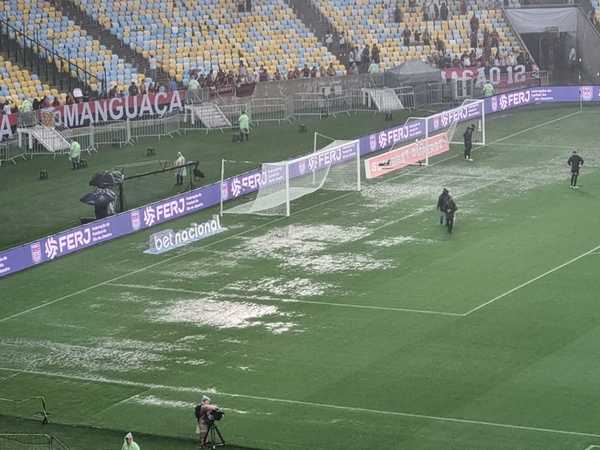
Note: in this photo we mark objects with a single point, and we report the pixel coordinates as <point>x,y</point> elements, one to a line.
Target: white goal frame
<point>297,169</point>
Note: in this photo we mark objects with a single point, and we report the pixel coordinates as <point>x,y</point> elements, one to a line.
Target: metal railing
<point>30,53</point>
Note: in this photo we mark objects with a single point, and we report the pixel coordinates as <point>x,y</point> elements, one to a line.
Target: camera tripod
<point>213,437</point>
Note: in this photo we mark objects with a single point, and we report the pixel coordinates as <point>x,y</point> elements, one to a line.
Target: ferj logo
<point>503,101</point>
<point>149,216</point>
<point>436,122</point>
<point>382,139</point>
<point>51,248</point>
<point>236,187</point>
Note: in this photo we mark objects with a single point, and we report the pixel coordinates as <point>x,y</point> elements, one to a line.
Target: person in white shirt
<point>181,172</point>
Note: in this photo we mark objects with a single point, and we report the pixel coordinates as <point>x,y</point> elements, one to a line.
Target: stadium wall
<point>78,238</point>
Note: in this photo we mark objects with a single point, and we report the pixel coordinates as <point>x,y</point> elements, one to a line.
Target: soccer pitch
<point>357,322</point>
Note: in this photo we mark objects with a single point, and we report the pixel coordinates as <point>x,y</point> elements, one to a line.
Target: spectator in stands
<point>473,39</point>
<point>521,59</point>
<point>244,122</point>
<point>153,66</point>
<point>7,109</point>
<point>78,95</point>
<point>426,37</point>
<point>342,42</point>
<point>444,11</point>
<point>412,5</point>
<point>129,444</point>
<point>248,5</point>
<point>133,89</point>
<point>406,37</point>
<point>495,40</point>
<point>463,8</point>
<point>329,40</point>
<point>397,13</point>
<point>439,44</point>
<point>353,69</point>
<point>241,6</point>
<point>465,60</point>
<point>425,13</point>
<point>3,104</point>
<point>26,106</point>
<point>375,54</point>
<point>305,72</point>
<point>474,23</point>
<point>436,11</point>
<point>193,86</point>
<point>417,36</point>
<point>365,58</point>
<point>373,67</point>
<point>55,103</point>
<point>314,72</point>
<point>277,75</point>
<point>331,70</point>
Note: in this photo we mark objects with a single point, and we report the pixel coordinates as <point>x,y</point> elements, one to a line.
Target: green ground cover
<point>357,322</point>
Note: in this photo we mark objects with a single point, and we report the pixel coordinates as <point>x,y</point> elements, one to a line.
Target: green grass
<point>39,208</point>
<point>360,323</point>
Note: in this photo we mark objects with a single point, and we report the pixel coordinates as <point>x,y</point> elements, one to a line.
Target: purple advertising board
<point>72,240</point>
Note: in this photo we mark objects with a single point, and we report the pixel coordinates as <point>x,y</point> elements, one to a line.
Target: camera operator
<point>203,417</point>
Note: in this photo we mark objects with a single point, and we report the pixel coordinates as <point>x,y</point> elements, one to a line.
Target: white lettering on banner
<point>157,103</point>
<point>514,99</point>
<point>163,211</point>
<point>98,111</point>
<point>115,108</point>
<point>324,159</point>
<point>86,114</point>
<point>166,240</point>
<point>68,242</point>
<point>512,75</point>
<point>390,137</point>
<point>5,130</point>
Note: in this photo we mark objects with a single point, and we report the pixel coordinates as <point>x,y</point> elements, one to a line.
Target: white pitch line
<point>270,222</point>
<point>533,280</point>
<point>193,390</point>
<point>535,127</point>
<point>286,300</point>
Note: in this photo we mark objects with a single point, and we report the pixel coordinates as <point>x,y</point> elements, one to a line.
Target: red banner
<point>499,76</point>
<point>404,156</point>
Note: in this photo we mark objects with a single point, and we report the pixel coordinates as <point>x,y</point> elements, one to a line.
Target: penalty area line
<point>355,409</point>
<point>533,280</point>
<point>286,300</point>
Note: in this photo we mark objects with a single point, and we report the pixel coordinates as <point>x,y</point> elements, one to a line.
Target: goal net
<point>277,184</point>
<point>456,120</point>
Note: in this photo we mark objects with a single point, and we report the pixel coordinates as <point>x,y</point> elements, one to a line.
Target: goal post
<point>274,186</point>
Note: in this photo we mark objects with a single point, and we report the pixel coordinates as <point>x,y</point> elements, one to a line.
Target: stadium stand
<point>368,22</point>
<point>57,32</point>
<point>17,84</point>
<point>188,36</point>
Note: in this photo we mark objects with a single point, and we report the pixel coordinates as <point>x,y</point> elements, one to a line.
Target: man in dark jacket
<point>450,212</point>
<point>575,162</point>
<point>468,137</point>
<point>441,204</point>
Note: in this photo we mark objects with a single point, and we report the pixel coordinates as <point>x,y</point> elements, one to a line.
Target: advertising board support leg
<point>221,187</point>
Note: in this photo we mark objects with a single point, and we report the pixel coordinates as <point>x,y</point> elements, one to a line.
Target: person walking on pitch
<point>575,162</point>
<point>468,137</point>
<point>441,204</point>
<point>450,212</point>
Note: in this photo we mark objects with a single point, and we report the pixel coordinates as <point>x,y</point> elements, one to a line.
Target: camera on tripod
<point>215,414</point>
